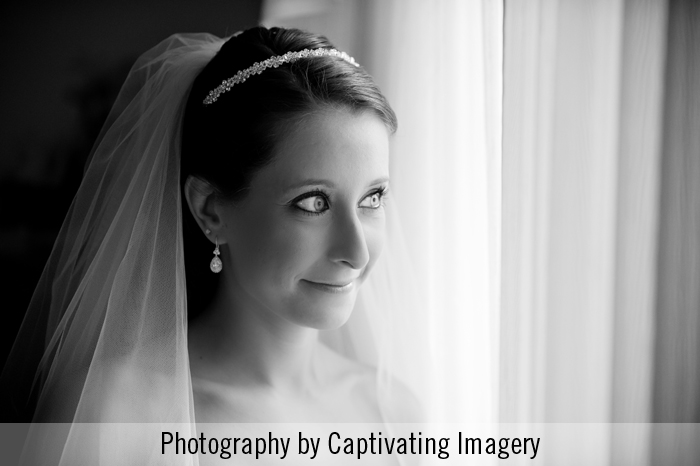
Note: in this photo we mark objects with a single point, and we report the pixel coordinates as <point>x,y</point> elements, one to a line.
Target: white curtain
<point>600,311</point>
<point>582,139</point>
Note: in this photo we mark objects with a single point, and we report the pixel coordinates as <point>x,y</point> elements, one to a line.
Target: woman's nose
<point>348,245</point>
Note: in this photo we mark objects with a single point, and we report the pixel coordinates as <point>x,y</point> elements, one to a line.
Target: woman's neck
<point>237,341</point>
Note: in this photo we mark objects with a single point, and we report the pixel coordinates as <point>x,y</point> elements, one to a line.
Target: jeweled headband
<point>272,62</point>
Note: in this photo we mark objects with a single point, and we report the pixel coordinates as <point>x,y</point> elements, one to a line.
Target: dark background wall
<point>63,63</point>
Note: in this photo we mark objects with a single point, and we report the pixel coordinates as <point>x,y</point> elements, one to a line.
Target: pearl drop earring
<point>216,264</point>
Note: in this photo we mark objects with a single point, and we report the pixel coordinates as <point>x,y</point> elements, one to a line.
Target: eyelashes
<point>318,202</point>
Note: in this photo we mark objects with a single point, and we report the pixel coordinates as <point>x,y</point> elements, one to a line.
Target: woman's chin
<point>326,316</point>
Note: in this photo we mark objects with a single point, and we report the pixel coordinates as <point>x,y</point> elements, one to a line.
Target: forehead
<point>344,147</point>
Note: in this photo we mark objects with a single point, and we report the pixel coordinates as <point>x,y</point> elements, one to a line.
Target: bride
<point>233,207</point>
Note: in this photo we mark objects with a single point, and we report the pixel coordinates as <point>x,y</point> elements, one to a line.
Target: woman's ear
<point>201,199</point>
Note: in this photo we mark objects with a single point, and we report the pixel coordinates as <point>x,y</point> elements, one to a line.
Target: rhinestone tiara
<point>272,62</point>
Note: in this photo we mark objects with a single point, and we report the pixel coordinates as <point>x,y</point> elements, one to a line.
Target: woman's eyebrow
<point>382,180</point>
<point>326,183</point>
<point>309,182</point>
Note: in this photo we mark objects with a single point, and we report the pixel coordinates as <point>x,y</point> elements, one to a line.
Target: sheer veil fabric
<point>105,337</point>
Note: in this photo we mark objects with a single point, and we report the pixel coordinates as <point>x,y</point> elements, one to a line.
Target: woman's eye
<point>313,204</point>
<point>373,201</point>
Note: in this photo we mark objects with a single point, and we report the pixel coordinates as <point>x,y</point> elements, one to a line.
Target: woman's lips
<point>331,287</point>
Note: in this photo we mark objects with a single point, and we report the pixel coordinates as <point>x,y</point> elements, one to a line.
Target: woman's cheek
<point>293,247</point>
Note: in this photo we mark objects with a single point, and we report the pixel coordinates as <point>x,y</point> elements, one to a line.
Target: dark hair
<point>225,143</point>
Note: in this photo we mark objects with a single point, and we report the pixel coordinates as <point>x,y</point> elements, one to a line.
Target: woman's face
<point>304,238</point>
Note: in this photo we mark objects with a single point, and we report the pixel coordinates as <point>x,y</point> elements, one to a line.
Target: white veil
<point>105,336</point>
